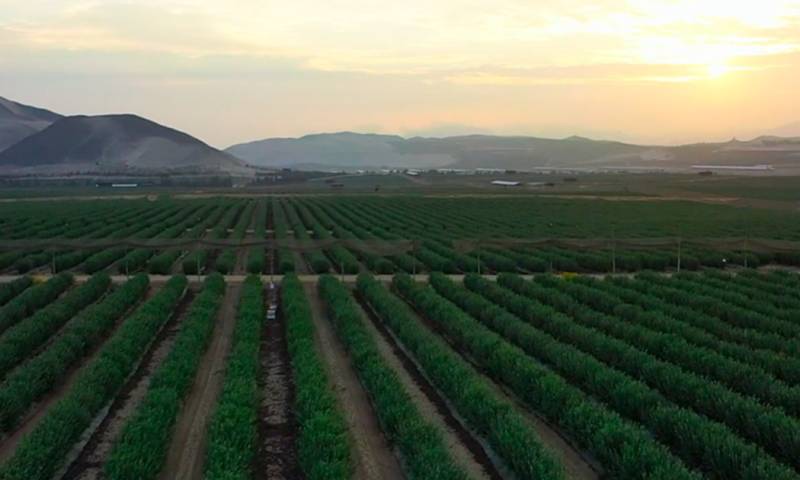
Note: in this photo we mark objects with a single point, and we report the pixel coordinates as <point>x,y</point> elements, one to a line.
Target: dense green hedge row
<point>195,262</point>
<point>343,228</point>
<point>767,426</point>
<point>776,298</point>
<point>780,307</point>
<point>424,452</point>
<point>699,310</point>
<point>343,260</point>
<point>634,455</point>
<point>226,261</point>
<point>367,230</point>
<point>161,264</point>
<point>739,376</point>
<point>322,444</point>
<point>232,434</point>
<point>29,262</point>
<point>42,452</point>
<point>149,227</point>
<point>33,299</point>
<point>725,305</point>
<point>13,288</point>
<point>8,258</point>
<point>138,257</point>
<point>141,448</point>
<point>284,257</point>
<point>21,340</point>
<point>34,378</point>
<point>510,435</point>
<point>702,330</point>
<point>317,260</point>
<point>704,444</point>
<point>489,414</point>
<point>257,256</point>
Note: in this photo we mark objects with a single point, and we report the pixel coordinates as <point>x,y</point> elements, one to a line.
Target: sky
<point>648,71</point>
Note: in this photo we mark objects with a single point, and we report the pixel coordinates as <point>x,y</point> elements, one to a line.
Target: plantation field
<point>691,375</point>
<point>405,337</point>
<point>388,234</point>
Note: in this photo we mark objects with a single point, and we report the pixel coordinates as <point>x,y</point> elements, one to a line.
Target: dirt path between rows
<point>38,411</point>
<point>277,455</point>
<point>300,265</point>
<point>577,464</point>
<point>186,451</point>
<point>89,463</point>
<point>372,454</point>
<point>465,450</point>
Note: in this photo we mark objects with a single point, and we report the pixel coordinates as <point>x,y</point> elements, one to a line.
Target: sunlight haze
<point>640,71</point>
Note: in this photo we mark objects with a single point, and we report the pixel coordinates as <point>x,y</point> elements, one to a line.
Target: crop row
<point>695,327</point>
<point>767,426</point>
<point>322,444</point>
<point>424,452</point>
<point>256,257</point>
<point>605,314</point>
<point>42,452</point>
<point>514,440</point>
<point>707,312</point>
<point>13,288</point>
<point>34,378</point>
<point>706,445</point>
<point>635,455</point>
<point>32,299</point>
<point>232,433</point>
<point>141,448</point>
<point>21,340</point>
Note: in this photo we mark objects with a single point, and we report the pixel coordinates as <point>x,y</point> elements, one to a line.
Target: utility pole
<point>478,244</point>
<point>614,249</point>
<point>679,254</point>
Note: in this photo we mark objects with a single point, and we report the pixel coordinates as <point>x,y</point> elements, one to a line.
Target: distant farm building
<point>505,183</point>
<point>742,168</point>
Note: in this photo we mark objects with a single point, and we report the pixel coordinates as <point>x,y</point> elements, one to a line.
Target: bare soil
<point>577,464</point>
<point>277,427</point>
<point>186,451</point>
<point>89,463</point>
<point>465,450</point>
<point>372,454</point>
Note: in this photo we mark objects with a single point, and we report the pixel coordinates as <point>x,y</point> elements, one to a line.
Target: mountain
<point>361,151</point>
<point>340,150</point>
<point>18,121</point>
<point>115,144</point>
<point>788,130</point>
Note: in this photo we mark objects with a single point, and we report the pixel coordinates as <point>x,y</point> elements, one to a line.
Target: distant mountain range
<point>362,151</point>
<point>37,142</point>
<point>49,144</point>
<point>18,121</point>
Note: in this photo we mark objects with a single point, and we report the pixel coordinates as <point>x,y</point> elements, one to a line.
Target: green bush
<point>42,452</point>
<point>322,445</point>
<point>141,449</point>
<point>33,299</point>
<point>232,434</point>
<point>31,380</point>
<point>425,454</point>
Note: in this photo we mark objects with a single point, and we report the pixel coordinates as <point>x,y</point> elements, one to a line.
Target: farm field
<point>539,339</point>
<point>388,234</point>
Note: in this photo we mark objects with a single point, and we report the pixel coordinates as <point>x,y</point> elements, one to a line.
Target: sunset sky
<point>237,70</point>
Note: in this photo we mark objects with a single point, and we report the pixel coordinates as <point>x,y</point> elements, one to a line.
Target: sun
<point>717,70</point>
